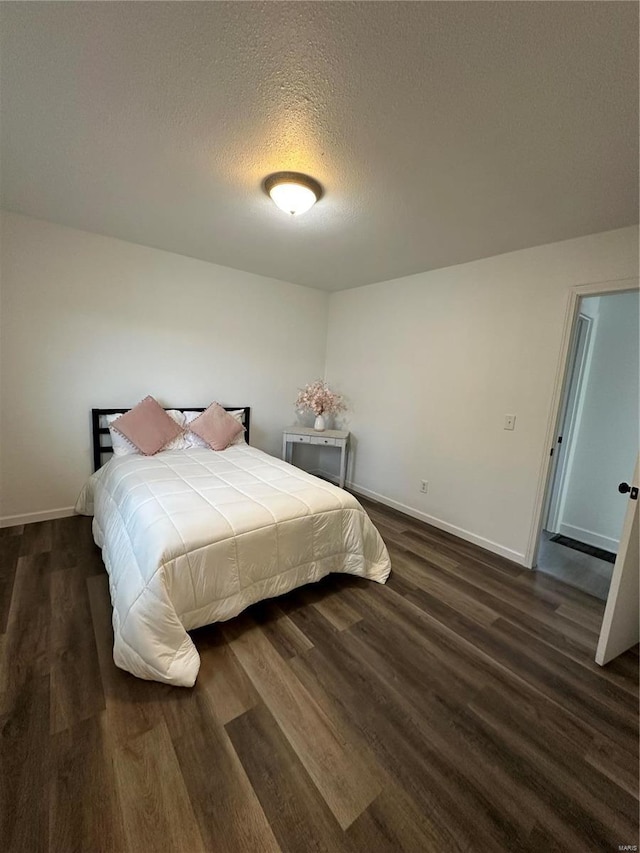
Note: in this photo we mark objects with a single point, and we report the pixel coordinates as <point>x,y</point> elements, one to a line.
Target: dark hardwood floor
<point>457,708</point>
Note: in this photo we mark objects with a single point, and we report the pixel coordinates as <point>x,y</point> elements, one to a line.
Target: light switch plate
<point>509,421</point>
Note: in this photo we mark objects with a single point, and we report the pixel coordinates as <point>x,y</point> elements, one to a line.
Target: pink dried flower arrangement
<point>320,399</point>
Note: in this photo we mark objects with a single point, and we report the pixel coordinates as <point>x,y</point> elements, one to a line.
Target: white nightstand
<point>338,438</point>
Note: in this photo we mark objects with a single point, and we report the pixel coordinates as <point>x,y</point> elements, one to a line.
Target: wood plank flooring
<point>457,708</point>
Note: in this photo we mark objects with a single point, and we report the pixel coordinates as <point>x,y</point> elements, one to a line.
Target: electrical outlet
<point>423,485</point>
<point>509,421</point>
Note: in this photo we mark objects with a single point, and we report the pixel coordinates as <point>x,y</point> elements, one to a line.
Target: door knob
<point>623,488</point>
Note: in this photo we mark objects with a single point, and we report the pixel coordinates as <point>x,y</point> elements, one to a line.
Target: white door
<point>621,624</point>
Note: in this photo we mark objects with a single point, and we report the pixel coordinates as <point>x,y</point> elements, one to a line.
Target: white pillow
<point>122,447</point>
<point>193,440</point>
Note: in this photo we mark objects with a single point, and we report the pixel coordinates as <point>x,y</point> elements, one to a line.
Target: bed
<point>195,536</point>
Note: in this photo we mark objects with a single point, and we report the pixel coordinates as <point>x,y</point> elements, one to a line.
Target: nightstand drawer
<point>299,439</point>
<point>318,439</point>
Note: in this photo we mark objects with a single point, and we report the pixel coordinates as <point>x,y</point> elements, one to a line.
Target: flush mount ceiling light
<point>292,192</point>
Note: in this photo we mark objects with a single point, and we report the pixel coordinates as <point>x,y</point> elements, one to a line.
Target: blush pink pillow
<point>217,427</point>
<point>147,426</point>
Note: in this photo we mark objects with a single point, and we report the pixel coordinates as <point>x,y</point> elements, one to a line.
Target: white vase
<point>319,423</point>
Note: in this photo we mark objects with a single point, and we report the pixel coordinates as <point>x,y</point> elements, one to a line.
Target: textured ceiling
<point>441,132</point>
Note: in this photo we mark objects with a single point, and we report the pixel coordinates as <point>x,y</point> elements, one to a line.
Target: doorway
<point>595,445</point>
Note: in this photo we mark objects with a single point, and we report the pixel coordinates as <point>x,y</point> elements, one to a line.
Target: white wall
<point>92,321</point>
<point>606,440</point>
<point>431,363</point>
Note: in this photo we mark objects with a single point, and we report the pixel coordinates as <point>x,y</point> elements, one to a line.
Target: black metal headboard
<point>98,431</point>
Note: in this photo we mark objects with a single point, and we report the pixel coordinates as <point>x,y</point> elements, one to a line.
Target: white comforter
<point>194,536</point>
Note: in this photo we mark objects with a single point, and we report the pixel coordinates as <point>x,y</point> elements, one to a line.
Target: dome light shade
<point>293,198</point>
<point>292,192</point>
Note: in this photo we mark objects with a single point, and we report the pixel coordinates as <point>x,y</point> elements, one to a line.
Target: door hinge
<point>551,453</point>
<point>559,439</point>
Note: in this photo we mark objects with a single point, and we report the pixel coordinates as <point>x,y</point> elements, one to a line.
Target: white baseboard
<point>467,535</point>
<point>597,540</point>
<point>30,517</point>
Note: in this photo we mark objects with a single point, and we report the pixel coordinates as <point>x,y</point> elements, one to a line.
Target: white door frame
<point>570,410</point>
<point>599,288</point>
